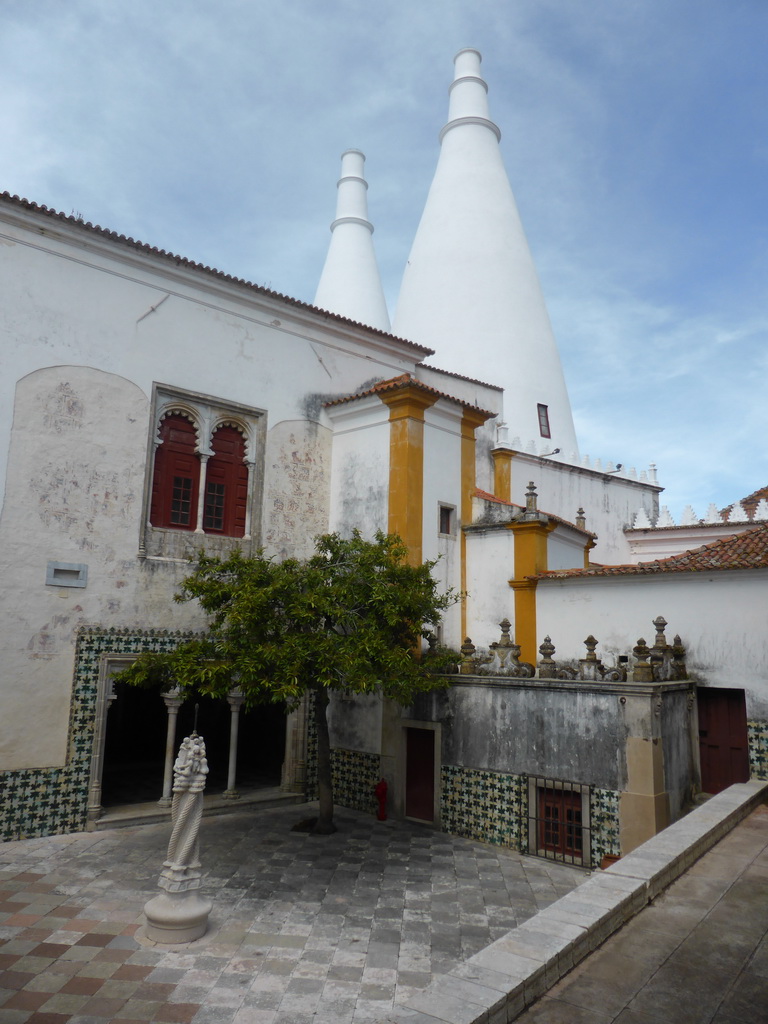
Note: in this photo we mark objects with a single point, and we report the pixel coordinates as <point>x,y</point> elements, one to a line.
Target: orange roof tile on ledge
<point>406,380</point>
<point>747,550</point>
<point>487,496</point>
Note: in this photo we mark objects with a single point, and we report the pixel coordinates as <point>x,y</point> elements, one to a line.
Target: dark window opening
<point>543,411</point>
<point>445,524</point>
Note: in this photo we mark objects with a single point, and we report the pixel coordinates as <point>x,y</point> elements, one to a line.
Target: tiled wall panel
<point>48,801</point>
<point>757,733</point>
<point>483,805</point>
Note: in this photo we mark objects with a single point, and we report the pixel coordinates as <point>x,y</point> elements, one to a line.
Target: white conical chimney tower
<point>350,283</point>
<point>470,289</point>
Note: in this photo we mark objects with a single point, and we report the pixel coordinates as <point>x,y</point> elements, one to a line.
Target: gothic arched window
<point>203,476</point>
<point>226,484</point>
<point>176,477</point>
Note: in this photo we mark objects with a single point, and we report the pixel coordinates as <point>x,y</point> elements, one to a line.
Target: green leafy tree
<point>350,618</point>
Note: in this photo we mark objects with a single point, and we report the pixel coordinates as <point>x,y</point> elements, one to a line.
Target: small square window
<point>446,520</point>
<point>543,411</point>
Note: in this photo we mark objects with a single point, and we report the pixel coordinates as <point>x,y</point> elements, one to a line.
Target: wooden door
<point>420,774</point>
<point>722,738</point>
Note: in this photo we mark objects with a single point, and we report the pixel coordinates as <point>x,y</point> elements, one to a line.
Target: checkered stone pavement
<point>328,930</point>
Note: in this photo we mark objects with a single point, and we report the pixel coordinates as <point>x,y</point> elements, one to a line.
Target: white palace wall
<point>720,617</point>
<point>89,325</point>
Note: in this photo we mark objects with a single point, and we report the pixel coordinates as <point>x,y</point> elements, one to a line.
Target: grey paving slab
<point>304,928</point>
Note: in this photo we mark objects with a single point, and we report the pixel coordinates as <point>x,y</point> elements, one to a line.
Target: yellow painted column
<point>502,473</point>
<point>587,548</point>
<point>406,465</point>
<point>530,558</point>
<point>470,421</point>
<point>405,518</point>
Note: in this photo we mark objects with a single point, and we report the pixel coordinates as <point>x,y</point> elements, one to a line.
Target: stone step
<point>130,815</point>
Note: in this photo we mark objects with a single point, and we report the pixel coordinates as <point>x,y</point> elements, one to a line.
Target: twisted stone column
<point>179,914</point>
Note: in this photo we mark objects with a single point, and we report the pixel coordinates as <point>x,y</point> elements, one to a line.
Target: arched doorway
<point>135,744</point>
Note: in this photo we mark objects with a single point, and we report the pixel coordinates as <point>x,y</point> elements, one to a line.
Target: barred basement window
<point>558,821</point>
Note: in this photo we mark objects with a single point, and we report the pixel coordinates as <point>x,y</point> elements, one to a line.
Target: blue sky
<point>635,135</point>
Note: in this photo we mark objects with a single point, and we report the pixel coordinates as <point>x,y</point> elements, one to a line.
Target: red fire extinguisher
<point>381,795</point>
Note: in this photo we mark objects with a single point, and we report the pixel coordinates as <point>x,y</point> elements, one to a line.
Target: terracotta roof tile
<point>747,550</point>
<point>460,376</point>
<point>487,496</point>
<point>406,380</point>
<point>182,261</point>
<point>749,504</point>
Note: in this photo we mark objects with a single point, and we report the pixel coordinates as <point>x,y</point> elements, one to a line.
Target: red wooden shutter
<point>226,485</point>
<point>176,477</point>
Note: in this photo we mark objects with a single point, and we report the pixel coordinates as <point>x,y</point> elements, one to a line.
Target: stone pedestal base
<point>176,917</point>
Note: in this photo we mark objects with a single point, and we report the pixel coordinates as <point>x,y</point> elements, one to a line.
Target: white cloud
<point>633,133</point>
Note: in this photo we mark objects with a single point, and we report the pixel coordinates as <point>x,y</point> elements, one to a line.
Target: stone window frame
<point>206,413</point>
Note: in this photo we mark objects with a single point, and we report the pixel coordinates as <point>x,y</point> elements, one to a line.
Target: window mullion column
<point>249,499</point>
<point>201,492</point>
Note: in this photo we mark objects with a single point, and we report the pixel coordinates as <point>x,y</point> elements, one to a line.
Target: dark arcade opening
<point>134,753</point>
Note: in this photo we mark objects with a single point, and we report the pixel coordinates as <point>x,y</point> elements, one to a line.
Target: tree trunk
<point>324,824</point>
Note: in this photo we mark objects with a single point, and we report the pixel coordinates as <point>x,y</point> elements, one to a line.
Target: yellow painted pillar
<point>587,548</point>
<point>530,558</point>
<point>406,465</point>
<point>502,473</point>
<point>406,406</point>
<point>470,421</point>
